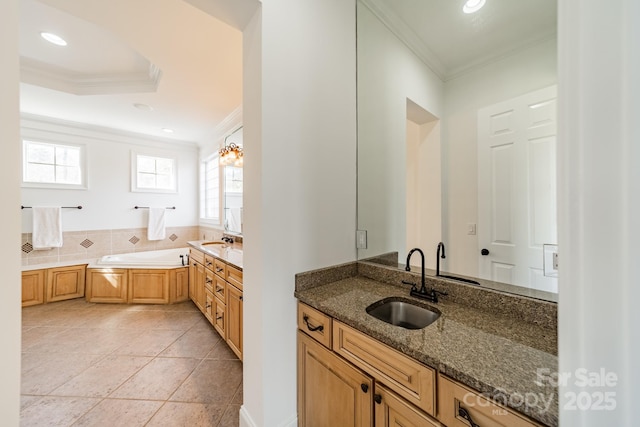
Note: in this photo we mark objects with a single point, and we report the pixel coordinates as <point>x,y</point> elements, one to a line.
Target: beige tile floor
<point>124,365</point>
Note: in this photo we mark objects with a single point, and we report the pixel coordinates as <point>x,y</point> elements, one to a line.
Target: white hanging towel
<point>47,227</point>
<point>234,220</point>
<point>155,230</point>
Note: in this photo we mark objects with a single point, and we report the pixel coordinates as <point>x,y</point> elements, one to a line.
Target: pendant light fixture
<point>231,154</point>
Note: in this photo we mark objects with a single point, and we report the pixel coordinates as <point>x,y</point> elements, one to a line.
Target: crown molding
<point>410,39</point>
<point>52,125</point>
<point>46,75</point>
<point>489,59</point>
<point>407,36</point>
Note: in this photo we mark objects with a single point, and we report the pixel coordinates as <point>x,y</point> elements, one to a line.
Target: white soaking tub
<point>151,277</point>
<point>166,258</point>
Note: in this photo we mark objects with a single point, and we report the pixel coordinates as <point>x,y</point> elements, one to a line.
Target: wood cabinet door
<point>234,320</point>
<point>392,411</point>
<point>209,305</point>
<point>331,392</point>
<point>220,318</point>
<point>107,285</point>
<point>196,284</point>
<point>150,286</point>
<point>32,287</point>
<point>65,283</point>
<point>179,284</point>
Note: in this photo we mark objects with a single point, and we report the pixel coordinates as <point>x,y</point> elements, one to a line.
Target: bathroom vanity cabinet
<point>346,377</point>
<point>216,288</point>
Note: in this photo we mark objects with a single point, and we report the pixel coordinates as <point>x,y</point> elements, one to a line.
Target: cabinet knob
<point>377,398</point>
<point>364,387</point>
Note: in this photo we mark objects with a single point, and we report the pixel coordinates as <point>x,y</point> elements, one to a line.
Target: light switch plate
<point>361,239</point>
<point>471,229</point>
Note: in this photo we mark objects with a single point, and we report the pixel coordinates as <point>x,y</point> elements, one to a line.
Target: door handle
<point>484,252</point>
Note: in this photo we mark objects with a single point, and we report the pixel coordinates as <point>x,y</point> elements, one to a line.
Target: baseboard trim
<point>247,421</point>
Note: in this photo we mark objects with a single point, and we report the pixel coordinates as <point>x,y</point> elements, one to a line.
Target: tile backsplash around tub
<point>82,245</point>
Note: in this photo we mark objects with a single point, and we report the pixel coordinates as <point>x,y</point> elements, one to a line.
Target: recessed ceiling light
<point>53,38</point>
<point>472,6</point>
<point>143,107</point>
<point>167,130</point>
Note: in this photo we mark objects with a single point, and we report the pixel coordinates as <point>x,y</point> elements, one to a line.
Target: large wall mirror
<point>456,137</point>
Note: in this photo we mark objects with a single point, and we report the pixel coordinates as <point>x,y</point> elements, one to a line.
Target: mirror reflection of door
<point>517,188</point>
<point>233,199</point>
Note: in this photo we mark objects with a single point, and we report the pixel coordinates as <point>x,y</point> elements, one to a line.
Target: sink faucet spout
<point>408,266</point>
<point>438,256</point>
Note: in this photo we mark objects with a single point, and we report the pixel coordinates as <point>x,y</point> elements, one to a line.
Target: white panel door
<point>517,188</point>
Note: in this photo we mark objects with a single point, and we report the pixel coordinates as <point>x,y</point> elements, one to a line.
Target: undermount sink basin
<point>213,243</point>
<point>403,313</point>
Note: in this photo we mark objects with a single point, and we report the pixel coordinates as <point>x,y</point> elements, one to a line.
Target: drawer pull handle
<point>218,270</point>
<point>377,398</point>
<point>219,317</point>
<point>465,415</point>
<point>312,328</point>
<point>364,387</point>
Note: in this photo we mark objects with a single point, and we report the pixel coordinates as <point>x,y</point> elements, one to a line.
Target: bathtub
<point>166,258</point>
<point>151,277</point>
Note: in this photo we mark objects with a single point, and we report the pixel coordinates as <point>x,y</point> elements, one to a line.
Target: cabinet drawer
<point>219,267</point>
<point>209,262</point>
<point>234,276</point>
<point>315,324</point>
<point>209,279</point>
<point>220,288</point>
<point>196,256</point>
<point>405,376</point>
<point>453,396</point>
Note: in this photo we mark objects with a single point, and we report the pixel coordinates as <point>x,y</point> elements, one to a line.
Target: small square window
<point>52,165</point>
<point>153,174</point>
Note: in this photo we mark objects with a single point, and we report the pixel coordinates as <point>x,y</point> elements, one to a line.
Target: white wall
<point>388,74</point>
<point>599,205</point>
<point>109,203</point>
<point>531,69</point>
<point>9,249</point>
<point>300,191</point>
<point>424,209</point>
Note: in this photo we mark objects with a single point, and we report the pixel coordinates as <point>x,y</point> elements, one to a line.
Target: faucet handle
<point>414,287</point>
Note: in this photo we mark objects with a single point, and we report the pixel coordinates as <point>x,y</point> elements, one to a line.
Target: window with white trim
<point>53,165</point>
<point>210,185</point>
<point>154,174</point>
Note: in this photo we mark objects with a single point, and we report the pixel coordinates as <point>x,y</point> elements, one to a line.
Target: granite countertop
<point>230,254</point>
<point>495,354</point>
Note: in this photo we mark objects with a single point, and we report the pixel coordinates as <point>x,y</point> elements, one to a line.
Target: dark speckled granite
<point>492,352</point>
<point>544,313</point>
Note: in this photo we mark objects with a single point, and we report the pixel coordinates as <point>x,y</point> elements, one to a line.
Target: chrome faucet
<point>438,256</point>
